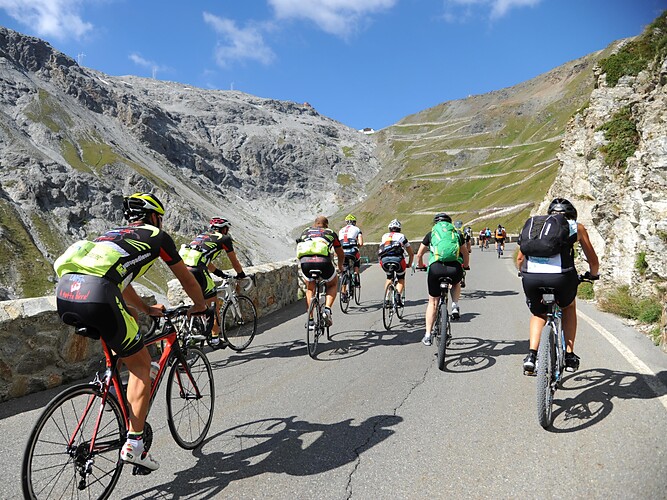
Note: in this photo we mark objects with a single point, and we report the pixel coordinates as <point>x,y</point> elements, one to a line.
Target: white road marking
<point>647,374</point>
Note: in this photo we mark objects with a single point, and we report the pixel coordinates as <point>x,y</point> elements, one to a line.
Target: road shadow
<point>483,294</point>
<point>596,391</point>
<point>276,445</point>
<point>471,354</point>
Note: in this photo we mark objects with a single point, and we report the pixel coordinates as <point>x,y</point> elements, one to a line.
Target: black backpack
<point>545,235</point>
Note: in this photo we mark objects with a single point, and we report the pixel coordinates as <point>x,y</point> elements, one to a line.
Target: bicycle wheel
<point>313,334</point>
<point>546,360</point>
<point>344,298</point>
<point>58,461</point>
<point>357,292</point>
<point>445,333</point>
<point>388,307</point>
<point>190,399</point>
<point>239,322</point>
<point>400,308</point>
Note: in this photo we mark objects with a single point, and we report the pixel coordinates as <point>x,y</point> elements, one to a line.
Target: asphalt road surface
<point>373,418</point>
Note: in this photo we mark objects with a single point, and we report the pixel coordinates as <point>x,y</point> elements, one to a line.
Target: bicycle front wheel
<point>546,362</point>
<point>313,330</point>
<point>444,337</point>
<point>239,322</point>
<point>388,307</point>
<point>58,461</point>
<point>344,297</point>
<point>190,399</point>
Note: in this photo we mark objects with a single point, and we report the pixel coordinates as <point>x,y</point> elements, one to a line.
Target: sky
<point>365,63</point>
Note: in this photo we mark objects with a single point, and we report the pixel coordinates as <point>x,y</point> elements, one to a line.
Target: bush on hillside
<point>622,136</point>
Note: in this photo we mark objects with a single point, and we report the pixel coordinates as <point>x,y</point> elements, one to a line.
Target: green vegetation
<point>47,111</point>
<point>638,54</point>
<point>345,180</point>
<point>621,132</point>
<point>348,152</point>
<point>640,263</point>
<point>586,291</point>
<point>621,302</point>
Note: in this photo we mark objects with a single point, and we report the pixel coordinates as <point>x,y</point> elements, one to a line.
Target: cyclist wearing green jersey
<point>198,256</point>
<point>94,291</point>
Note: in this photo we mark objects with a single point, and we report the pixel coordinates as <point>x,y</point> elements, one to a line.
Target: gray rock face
<point>73,141</point>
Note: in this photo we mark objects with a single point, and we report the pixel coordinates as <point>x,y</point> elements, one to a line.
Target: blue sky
<point>365,63</point>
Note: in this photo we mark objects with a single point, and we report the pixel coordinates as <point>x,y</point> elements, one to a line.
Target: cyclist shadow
<point>483,294</point>
<point>597,388</point>
<point>471,354</point>
<point>274,445</point>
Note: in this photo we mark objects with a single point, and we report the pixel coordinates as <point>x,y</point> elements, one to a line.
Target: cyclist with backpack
<point>546,259</point>
<point>449,257</point>
<point>390,253</point>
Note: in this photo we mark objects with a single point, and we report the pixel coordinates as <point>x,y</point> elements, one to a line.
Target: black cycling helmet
<point>562,206</point>
<point>442,217</point>
<point>139,206</point>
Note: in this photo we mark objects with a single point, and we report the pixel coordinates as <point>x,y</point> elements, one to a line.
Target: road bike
<point>236,318</point>
<point>499,249</point>
<point>350,285</point>
<point>393,303</point>
<point>315,324</point>
<point>551,355</point>
<point>73,450</point>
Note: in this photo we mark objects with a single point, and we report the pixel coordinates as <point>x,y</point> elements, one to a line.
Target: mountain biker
<point>439,269</point>
<point>314,252</point>
<point>392,245</point>
<point>94,291</point>
<point>556,272</point>
<point>500,235</point>
<point>198,256</point>
<point>351,239</point>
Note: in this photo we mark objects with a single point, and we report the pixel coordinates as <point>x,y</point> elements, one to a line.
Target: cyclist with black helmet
<point>95,291</point>
<point>391,253</point>
<point>557,272</point>
<point>199,254</point>
<point>451,266</point>
<point>351,239</point>
<point>500,235</point>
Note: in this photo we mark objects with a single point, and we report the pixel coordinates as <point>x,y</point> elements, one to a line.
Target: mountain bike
<point>315,325</point>
<point>551,355</point>
<point>394,303</point>
<point>236,318</point>
<point>350,285</point>
<point>442,327</point>
<point>73,450</point>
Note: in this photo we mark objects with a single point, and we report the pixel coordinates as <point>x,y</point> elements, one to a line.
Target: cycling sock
<point>533,351</point>
<point>135,437</point>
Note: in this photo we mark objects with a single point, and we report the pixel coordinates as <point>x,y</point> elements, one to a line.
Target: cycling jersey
<point>393,243</point>
<point>205,247</point>
<point>349,236</point>
<point>120,255</point>
<point>325,240</point>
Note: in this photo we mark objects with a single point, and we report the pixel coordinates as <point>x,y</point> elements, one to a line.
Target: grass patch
<point>621,302</point>
<point>345,180</point>
<point>348,152</point>
<point>47,111</point>
<point>640,263</point>
<point>586,291</point>
<point>638,54</point>
<point>621,132</point>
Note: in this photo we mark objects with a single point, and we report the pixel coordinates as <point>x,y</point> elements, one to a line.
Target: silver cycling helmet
<point>394,225</point>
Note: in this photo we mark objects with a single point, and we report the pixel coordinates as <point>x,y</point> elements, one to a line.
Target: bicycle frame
<point>554,322</point>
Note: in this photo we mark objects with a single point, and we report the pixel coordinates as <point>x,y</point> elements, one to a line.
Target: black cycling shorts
<point>393,264</point>
<point>98,304</point>
<point>315,263</point>
<point>437,270</point>
<point>205,281</point>
<point>565,287</point>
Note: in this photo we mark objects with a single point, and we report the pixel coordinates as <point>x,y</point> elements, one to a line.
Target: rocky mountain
<point>74,140</point>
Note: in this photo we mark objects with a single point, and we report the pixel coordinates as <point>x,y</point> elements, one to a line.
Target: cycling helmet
<point>139,206</point>
<point>394,225</point>
<point>219,223</point>
<point>562,206</point>
<point>458,224</point>
<point>442,217</point>
<point>351,219</point>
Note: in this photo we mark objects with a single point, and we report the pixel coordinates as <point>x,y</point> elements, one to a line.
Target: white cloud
<point>49,18</point>
<point>239,43</point>
<point>145,63</point>
<point>496,8</point>
<point>338,17</point>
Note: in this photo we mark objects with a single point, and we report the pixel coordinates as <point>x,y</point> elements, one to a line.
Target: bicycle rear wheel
<point>239,323</point>
<point>344,298</point>
<point>313,334</point>
<point>388,307</point>
<point>400,308</point>
<point>357,292</point>
<point>546,361</point>
<point>190,399</point>
<point>445,334</point>
<point>58,461</point>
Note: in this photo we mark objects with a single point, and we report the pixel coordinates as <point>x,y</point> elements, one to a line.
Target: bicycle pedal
<point>529,374</point>
<point>138,470</point>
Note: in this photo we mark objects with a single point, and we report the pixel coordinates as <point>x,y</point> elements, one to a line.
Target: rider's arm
<point>466,256</point>
<point>420,254</point>
<point>519,259</point>
<point>360,240</point>
<point>341,257</point>
<point>236,265</point>
<point>190,285</point>
<point>411,254</point>
<point>136,304</point>
<point>589,251</point>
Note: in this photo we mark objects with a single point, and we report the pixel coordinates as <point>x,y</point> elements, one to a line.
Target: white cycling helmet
<point>395,225</point>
